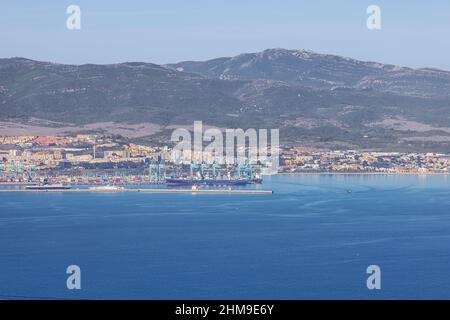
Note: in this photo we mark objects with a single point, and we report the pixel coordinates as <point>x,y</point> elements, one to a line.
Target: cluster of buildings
<point>351,161</point>
<point>23,155</point>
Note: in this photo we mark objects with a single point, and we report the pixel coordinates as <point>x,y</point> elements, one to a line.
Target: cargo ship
<point>45,187</point>
<point>210,182</point>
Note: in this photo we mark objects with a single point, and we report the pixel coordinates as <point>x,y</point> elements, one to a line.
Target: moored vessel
<point>48,187</point>
<point>211,182</point>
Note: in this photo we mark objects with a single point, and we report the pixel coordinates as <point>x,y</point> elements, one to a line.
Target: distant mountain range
<point>315,99</point>
<point>307,68</point>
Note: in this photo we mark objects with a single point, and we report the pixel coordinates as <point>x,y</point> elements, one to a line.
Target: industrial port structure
<point>153,171</point>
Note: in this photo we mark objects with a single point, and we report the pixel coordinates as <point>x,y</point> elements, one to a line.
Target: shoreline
<point>210,191</point>
<point>369,173</point>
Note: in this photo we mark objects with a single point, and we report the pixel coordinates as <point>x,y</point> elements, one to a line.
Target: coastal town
<point>94,158</point>
<point>297,160</point>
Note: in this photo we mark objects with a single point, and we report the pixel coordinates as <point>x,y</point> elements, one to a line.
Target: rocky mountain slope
<point>308,68</point>
<point>314,99</point>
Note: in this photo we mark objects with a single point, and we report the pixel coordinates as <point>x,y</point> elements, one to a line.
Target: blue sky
<point>414,33</point>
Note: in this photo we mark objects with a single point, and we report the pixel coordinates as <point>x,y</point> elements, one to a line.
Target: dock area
<point>197,191</point>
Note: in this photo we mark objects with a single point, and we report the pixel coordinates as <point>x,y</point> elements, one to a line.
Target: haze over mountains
<point>315,99</point>
<point>307,68</point>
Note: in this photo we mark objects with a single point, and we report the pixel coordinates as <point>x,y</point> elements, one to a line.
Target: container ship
<point>210,182</point>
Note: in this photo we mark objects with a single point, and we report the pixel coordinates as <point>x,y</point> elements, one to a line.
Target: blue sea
<point>312,239</point>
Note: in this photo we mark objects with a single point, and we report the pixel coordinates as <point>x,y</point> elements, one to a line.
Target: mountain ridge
<point>307,67</point>
<point>315,99</point>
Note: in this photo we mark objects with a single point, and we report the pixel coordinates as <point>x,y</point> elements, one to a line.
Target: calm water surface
<point>311,239</point>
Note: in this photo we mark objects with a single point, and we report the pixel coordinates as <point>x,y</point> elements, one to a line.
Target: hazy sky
<point>414,33</point>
